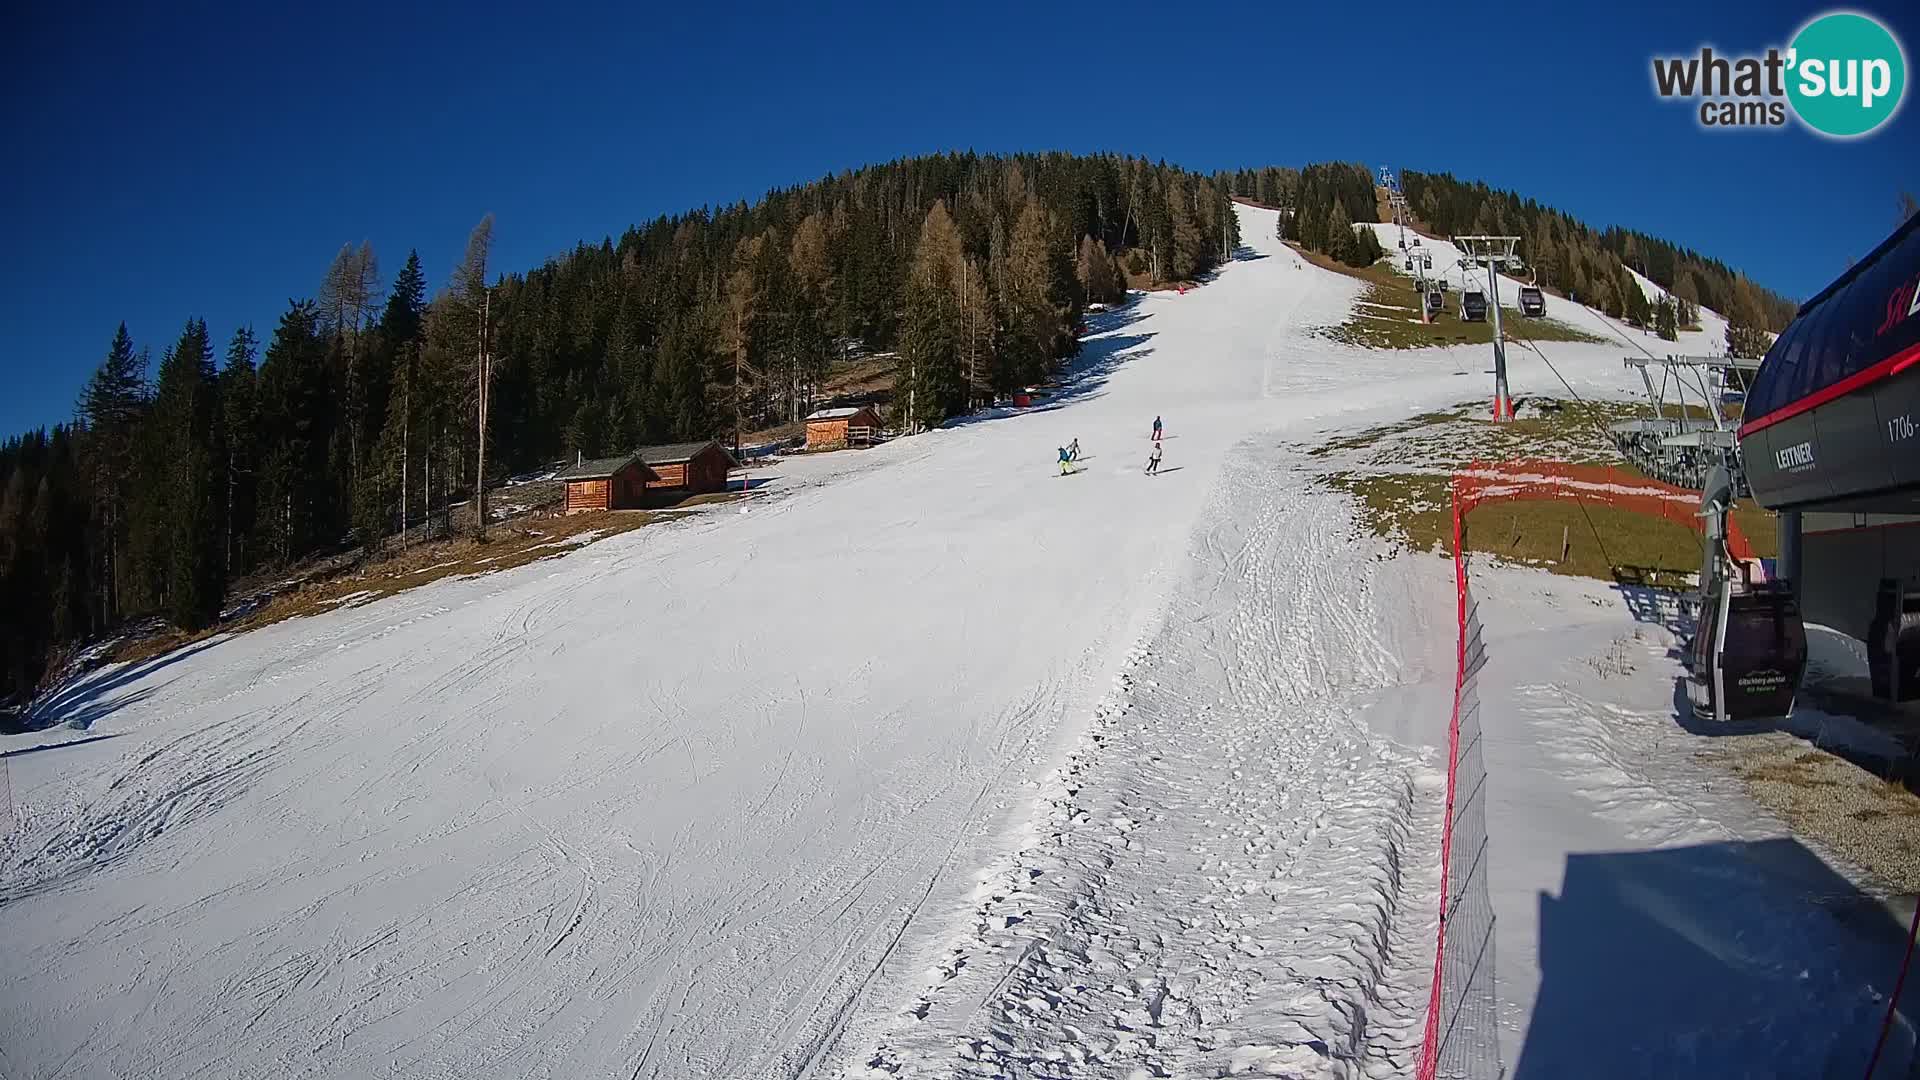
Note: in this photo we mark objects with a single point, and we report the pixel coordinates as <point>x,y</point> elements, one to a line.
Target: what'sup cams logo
<point>1844,76</point>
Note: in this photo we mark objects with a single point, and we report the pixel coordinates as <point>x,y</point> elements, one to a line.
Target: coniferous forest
<point>355,415</point>
<point>1591,264</point>
<point>195,460</point>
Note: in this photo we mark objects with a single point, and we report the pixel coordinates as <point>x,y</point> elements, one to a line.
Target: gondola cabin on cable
<point>1436,303</point>
<point>1533,303</point>
<point>1473,306</point>
<point>1749,646</point>
<point>1831,441</point>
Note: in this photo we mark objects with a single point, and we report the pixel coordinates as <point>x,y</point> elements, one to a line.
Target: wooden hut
<point>615,483</point>
<point>650,475</point>
<point>830,429</point>
<point>681,469</point>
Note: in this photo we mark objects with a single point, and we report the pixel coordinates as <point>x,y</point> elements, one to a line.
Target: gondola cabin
<point>1749,651</point>
<point>1436,303</point>
<point>1473,306</point>
<point>1533,303</point>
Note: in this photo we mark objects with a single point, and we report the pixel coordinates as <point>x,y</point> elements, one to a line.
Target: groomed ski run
<point>842,783</point>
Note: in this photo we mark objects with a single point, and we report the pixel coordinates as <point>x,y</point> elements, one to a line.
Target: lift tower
<point>1493,252</point>
<point>1397,201</point>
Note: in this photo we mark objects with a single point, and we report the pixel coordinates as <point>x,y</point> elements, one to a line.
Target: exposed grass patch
<point>1413,509</point>
<point>1400,474</point>
<point>507,547</point>
<point>1586,540</point>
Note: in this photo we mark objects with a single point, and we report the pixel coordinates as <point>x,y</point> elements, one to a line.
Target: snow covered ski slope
<point>730,797</point>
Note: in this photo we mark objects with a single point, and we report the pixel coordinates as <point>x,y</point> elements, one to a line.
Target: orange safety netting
<point>1606,485</point>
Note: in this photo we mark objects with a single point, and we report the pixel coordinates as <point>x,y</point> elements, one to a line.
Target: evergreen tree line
<point>1322,207</point>
<point>1592,264</point>
<point>357,417</point>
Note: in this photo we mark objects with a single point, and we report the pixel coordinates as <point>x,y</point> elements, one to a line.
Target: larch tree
<point>346,301</point>
<point>740,329</point>
<point>473,303</point>
<point>935,388</point>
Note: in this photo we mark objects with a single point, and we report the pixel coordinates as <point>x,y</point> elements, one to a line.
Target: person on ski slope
<point>1153,463</point>
<point>1073,449</point>
<point>1156,429</point>
<point>1066,463</point>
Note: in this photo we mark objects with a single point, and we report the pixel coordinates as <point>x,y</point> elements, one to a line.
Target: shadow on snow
<point>1723,959</point>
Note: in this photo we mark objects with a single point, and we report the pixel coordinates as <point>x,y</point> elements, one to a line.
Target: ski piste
<point>993,784</point>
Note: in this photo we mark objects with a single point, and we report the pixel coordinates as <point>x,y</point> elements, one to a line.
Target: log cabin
<point>649,476</point>
<point>830,429</point>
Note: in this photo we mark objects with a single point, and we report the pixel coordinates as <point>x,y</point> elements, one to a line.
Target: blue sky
<point>208,159</point>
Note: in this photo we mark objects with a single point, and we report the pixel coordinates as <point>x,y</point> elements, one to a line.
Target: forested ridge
<point>357,413</point>
<point>1591,264</point>
<point>355,416</point>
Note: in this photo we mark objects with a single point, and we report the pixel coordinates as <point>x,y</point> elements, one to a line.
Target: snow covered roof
<point>838,414</point>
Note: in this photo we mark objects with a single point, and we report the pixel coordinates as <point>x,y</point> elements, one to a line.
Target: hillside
<point>928,761</point>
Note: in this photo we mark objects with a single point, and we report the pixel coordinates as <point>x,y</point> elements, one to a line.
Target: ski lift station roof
<point>1830,421</point>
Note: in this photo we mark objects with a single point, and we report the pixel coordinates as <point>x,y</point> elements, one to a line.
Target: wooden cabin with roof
<point>649,476</point>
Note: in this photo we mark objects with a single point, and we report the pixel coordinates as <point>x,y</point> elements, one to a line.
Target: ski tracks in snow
<point>1231,874</point>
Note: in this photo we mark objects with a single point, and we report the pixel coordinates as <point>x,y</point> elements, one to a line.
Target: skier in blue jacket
<point>1066,462</point>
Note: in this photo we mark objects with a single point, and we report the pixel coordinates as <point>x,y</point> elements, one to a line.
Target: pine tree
<point>185,411</point>
<point>293,515</point>
<point>112,405</point>
<point>1186,243</point>
<point>1340,242</point>
<point>406,303</point>
<point>239,428</point>
<point>1664,318</point>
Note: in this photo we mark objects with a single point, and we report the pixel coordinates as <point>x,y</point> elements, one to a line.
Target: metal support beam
<point>1493,252</point>
<point>1791,558</point>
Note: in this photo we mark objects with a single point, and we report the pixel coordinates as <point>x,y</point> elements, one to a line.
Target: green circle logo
<point>1846,74</point>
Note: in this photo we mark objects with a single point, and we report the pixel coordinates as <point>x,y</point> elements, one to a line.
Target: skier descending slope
<point>1156,429</point>
<point>1066,462</point>
<point>1073,449</point>
<point>1153,463</point>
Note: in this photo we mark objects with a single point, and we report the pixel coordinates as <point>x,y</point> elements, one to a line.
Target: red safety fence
<point>1462,1034</point>
<point>1602,484</point>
